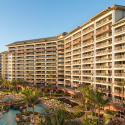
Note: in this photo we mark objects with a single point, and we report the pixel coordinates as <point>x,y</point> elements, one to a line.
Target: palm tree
<point>14,85</point>
<point>122,85</point>
<point>9,84</point>
<point>32,98</point>
<point>25,94</point>
<point>1,81</point>
<point>6,83</point>
<point>99,102</point>
<point>49,86</point>
<point>110,92</point>
<point>85,97</point>
<point>58,117</point>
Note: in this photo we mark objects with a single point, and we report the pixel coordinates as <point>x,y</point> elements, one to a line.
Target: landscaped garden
<point>53,108</point>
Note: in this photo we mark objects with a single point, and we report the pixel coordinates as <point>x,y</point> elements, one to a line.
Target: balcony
<point>76,62</point>
<point>60,60</point>
<point>88,54</point>
<point>60,42</point>
<point>103,36</point>
<point>29,50</point>
<point>103,59</point>
<point>87,42</point>
<point>38,45</point>
<point>79,79</point>
<point>40,81</point>
<point>30,54</point>
<point>77,67</point>
<point>102,44</point>
<point>12,48</point>
<point>77,52</point>
<point>60,47</point>
<point>77,57</point>
<point>51,44</point>
<point>67,68</point>
<point>87,67</point>
<point>51,49</point>
<point>88,29</point>
<point>120,74</point>
<point>29,58</point>
<point>87,48</point>
<point>119,65</point>
<point>104,51</point>
<point>87,73</point>
<point>120,48</point>
<point>120,39</point>
<point>39,69</point>
<point>103,74</point>
<point>77,73</point>
<point>50,68</point>
<point>120,29</point>
<point>61,73</point>
<point>51,57</point>
<point>88,36</point>
<point>51,65</point>
<point>48,53</point>
<point>39,50</point>
<point>61,51</point>
<point>30,46</point>
<point>87,61</point>
<point>20,51</point>
<point>77,35</point>
<point>76,46</point>
<point>103,21</point>
<point>120,57</point>
<point>66,50</point>
<point>103,66</point>
<point>76,41</point>
<point>101,81</point>
<point>87,80</point>
<point>67,63</point>
<point>103,28</point>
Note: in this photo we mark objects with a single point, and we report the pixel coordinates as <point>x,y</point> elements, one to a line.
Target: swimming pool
<point>9,117</point>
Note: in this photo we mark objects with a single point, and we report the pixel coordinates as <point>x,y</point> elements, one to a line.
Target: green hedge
<point>74,115</point>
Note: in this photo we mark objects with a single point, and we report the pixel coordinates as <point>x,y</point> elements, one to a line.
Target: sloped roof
<point>34,40</point>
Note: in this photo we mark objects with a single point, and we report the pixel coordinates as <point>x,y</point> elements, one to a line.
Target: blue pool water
<point>9,117</point>
<point>9,100</point>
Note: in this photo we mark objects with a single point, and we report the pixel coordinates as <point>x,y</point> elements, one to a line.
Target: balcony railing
<point>119,65</point>
<point>103,51</point>
<point>103,21</point>
<point>87,80</point>
<point>88,29</point>
<point>120,48</point>
<point>87,67</point>
<point>119,39</point>
<point>120,57</point>
<point>85,73</point>
<point>103,59</point>
<point>121,29</point>
<point>103,44</point>
<point>120,74</point>
<point>103,74</point>
<point>103,66</point>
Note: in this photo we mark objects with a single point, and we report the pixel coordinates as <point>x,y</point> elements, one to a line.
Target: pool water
<point>9,100</point>
<point>9,117</point>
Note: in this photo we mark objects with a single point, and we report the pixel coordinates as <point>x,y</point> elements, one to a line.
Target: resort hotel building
<point>36,61</point>
<point>93,53</point>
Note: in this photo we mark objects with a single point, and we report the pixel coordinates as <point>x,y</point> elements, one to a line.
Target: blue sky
<point>32,19</point>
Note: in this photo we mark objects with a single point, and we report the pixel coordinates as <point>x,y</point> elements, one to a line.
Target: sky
<point>31,19</point>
